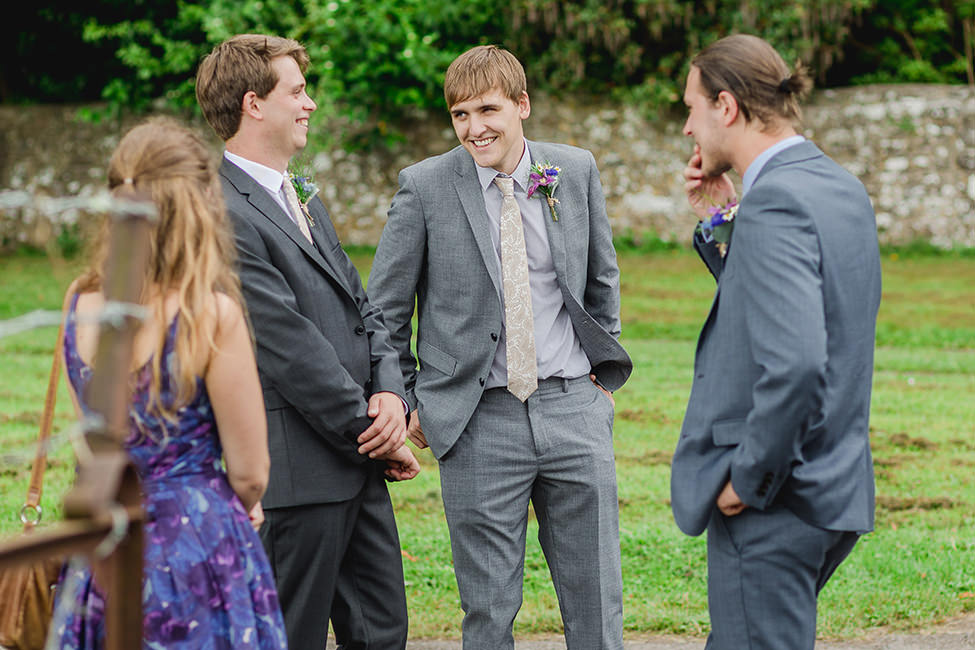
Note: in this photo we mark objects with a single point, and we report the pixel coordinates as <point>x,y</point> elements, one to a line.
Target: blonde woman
<point>196,408</point>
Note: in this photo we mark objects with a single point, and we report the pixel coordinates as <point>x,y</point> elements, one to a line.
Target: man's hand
<point>703,191</point>
<point>608,394</point>
<point>256,515</point>
<point>402,464</point>
<point>388,429</point>
<point>728,502</point>
<point>415,433</point>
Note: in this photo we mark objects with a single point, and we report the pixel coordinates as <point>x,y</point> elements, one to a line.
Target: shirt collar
<point>270,179</point>
<point>486,175</point>
<point>759,163</point>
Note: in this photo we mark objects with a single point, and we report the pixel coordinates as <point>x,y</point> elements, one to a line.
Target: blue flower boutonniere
<point>305,188</point>
<point>544,177</point>
<point>719,224</point>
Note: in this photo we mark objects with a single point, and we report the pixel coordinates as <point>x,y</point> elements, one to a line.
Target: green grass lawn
<point>916,569</point>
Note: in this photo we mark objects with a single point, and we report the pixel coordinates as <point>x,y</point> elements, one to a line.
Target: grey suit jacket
<point>781,394</point>
<point>322,348</point>
<point>436,253</point>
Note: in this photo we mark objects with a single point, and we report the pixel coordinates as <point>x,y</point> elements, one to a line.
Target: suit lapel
<point>323,254</point>
<point>261,201</point>
<point>472,199</point>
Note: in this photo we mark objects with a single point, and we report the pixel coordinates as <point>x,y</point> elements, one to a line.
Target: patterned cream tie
<point>518,319</point>
<point>297,213</point>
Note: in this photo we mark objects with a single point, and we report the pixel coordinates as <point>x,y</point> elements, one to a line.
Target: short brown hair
<point>756,76</point>
<point>482,69</point>
<point>234,68</point>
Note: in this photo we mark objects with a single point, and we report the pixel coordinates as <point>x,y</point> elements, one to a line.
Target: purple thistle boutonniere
<point>544,177</point>
<point>719,224</point>
<point>305,188</point>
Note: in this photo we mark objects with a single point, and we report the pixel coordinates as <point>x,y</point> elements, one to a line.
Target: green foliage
<point>376,64</point>
<point>372,64</point>
<point>642,48</point>
<point>914,41</point>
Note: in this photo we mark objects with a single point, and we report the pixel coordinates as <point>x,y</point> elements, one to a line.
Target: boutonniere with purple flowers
<point>304,184</point>
<point>718,225</point>
<point>544,177</point>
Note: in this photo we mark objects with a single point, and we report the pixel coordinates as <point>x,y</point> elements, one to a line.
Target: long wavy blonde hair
<point>191,246</point>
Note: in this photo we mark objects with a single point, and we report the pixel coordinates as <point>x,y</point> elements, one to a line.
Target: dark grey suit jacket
<point>781,393</point>
<point>322,348</point>
<point>436,254</point>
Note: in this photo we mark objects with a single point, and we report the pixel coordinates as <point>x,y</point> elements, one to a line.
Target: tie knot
<point>506,183</point>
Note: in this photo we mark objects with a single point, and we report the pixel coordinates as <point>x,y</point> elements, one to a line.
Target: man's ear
<point>251,105</point>
<point>524,106</point>
<point>728,106</point>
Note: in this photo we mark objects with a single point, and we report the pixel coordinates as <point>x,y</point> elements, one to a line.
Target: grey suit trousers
<point>555,451</point>
<point>765,570</point>
<point>340,561</point>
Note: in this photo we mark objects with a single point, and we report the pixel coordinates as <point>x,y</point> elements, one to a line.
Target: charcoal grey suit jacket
<point>436,253</point>
<point>781,392</point>
<point>322,348</point>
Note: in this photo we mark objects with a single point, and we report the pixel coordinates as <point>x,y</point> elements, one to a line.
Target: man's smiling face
<point>287,108</point>
<point>489,127</point>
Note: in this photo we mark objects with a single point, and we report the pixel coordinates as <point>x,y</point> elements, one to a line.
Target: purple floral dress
<point>207,583</point>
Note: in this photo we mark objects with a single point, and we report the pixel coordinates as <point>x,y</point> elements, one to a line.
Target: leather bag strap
<point>36,485</point>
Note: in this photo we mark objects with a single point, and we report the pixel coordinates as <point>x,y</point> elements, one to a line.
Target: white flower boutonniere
<point>544,177</point>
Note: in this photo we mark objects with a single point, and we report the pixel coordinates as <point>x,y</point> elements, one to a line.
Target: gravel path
<point>956,634</point>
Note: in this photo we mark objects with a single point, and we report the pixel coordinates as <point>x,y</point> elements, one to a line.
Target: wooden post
<point>109,482</point>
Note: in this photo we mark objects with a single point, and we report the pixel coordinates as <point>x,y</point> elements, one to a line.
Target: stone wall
<point>913,146</point>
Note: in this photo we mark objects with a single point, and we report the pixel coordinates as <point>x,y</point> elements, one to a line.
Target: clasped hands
<point>384,438</point>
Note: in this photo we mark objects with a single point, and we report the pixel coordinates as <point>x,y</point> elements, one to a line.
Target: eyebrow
<point>474,108</point>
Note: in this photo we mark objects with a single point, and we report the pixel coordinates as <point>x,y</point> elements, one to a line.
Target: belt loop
<point>565,385</point>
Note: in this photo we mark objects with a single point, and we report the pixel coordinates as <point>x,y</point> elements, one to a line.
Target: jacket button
<point>480,381</point>
<point>494,336</point>
<point>360,329</point>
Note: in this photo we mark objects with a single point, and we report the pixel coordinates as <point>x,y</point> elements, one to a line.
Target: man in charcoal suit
<point>517,303</point>
<point>332,387</point>
<point>774,456</point>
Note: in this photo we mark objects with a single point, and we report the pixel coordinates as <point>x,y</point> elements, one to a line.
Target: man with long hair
<point>774,455</point>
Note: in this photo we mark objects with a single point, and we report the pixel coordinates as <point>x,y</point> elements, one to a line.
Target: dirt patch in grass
<point>646,458</point>
<point>891,461</point>
<point>645,416</point>
<point>24,417</point>
<point>901,441</point>
<point>896,504</point>
<point>957,443</point>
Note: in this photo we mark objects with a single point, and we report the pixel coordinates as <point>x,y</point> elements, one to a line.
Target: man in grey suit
<point>332,387</point>
<point>517,301</point>
<point>774,456</point>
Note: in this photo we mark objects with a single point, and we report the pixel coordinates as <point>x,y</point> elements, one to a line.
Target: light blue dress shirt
<point>759,163</point>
